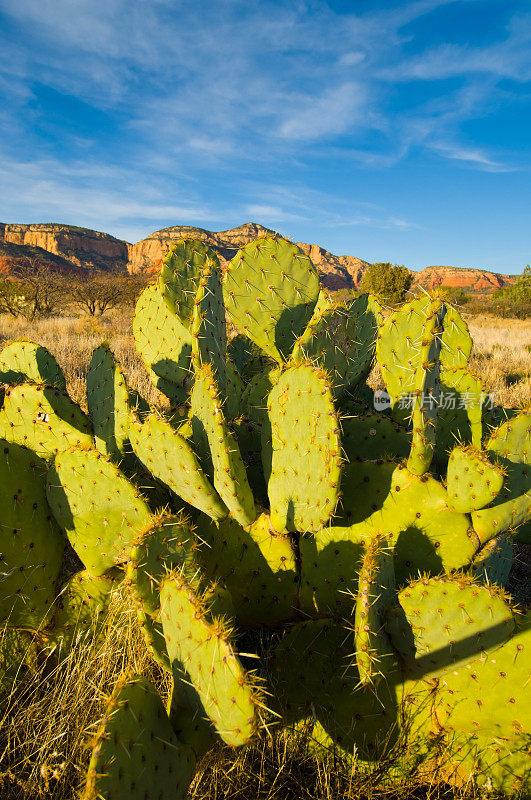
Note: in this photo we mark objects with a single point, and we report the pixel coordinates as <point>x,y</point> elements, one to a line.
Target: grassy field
<point>47,725</point>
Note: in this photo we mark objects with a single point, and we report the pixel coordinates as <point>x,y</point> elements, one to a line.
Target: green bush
<point>390,282</point>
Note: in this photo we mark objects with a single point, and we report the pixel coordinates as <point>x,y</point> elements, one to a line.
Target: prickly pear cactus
<point>109,404</point>
<point>31,543</point>
<point>271,288</point>
<point>292,556</point>
<point>136,754</point>
<point>24,361</point>
<point>44,419</point>
<point>305,458</point>
<point>100,510</point>
<point>202,644</point>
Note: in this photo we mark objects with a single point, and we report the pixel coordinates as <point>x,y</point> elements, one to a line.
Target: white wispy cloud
<point>330,113</point>
<point>209,94</point>
<point>471,155</point>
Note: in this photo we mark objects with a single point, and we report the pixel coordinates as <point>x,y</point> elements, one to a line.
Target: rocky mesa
<point>476,281</point>
<point>85,249</point>
<point>337,272</point>
<point>82,247</point>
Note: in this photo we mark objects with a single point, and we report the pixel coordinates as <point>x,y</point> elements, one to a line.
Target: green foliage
<point>453,294</point>
<point>389,282</point>
<point>519,292</point>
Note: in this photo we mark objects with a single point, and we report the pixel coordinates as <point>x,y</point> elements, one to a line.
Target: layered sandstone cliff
<point>147,254</point>
<point>476,281</point>
<point>16,257</point>
<point>88,249</point>
<point>337,272</point>
<point>81,246</point>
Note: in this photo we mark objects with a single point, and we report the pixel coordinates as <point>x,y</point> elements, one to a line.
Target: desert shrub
<point>390,282</point>
<point>453,294</point>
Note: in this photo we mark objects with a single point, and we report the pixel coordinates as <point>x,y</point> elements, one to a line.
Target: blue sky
<point>390,131</point>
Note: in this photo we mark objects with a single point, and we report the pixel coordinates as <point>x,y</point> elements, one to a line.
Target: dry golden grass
<point>502,358</point>
<point>72,339</point>
<point>47,722</point>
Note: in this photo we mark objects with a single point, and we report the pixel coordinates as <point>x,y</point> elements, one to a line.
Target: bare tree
<point>100,292</point>
<point>33,289</point>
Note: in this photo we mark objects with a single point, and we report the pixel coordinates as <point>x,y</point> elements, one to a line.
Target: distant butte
<point>69,248</point>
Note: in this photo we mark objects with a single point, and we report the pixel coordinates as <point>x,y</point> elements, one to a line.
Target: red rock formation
<point>94,250</point>
<point>81,246</point>
<point>15,256</point>
<point>337,272</point>
<point>476,281</point>
<point>153,248</point>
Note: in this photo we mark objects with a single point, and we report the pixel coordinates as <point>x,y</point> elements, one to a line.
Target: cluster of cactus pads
<point>294,557</point>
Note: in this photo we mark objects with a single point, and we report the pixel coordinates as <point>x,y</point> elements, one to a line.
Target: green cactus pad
<point>17,658</point>
<point>202,645</point>
<point>413,514</point>
<point>415,699</point>
<point>180,276</point>
<point>376,592</point>
<point>108,402</point>
<point>170,458</point>
<point>445,623</point>
<point>271,288</point>
<point>372,436</point>
<point>489,763</point>
<point>241,351</point>
<point>136,755</point>
<point>510,445</point>
<point>209,330</point>
<point>233,392</point>
<point>490,694</point>
<point>330,561</point>
<point>426,396</point>
<point>31,544</point>
<point>27,362</point>
<point>44,419</point>
<point>492,564</point>
<point>401,345</point>
<point>324,644</point>
<point>303,486</point>
<point>341,338</point>
<point>188,717</point>
<point>355,718</point>
<point>257,566</point>
<point>460,411</point>
<point>456,340</point>
<point>248,435</point>
<point>82,606</point>
<point>99,509</point>
<point>472,480</point>
<point>167,545</point>
<point>501,517</point>
<point>164,345</point>
<point>212,437</point>
<point>254,398</point>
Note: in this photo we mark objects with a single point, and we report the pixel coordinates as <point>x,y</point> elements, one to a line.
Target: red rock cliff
<point>83,247</point>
